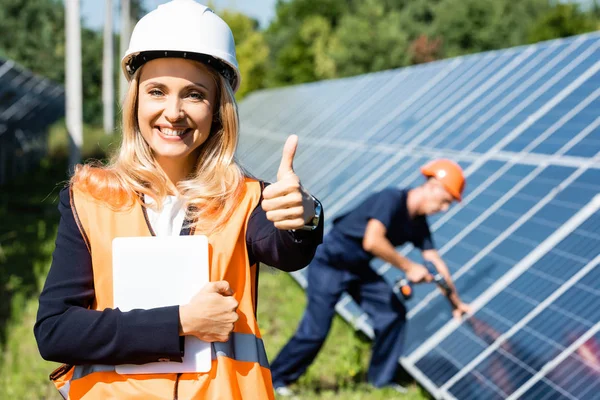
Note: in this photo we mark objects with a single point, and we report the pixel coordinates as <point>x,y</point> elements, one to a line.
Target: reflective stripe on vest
<point>240,347</point>
<point>243,347</point>
<point>64,391</point>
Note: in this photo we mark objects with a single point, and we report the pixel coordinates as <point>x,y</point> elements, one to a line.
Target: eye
<point>197,96</point>
<point>155,92</point>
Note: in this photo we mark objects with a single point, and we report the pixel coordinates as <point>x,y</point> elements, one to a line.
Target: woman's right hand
<point>211,313</point>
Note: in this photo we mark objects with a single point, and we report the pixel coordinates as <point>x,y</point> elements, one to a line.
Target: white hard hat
<point>183,29</point>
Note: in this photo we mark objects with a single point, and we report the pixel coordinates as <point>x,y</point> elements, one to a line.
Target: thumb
<point>221,287</point>
<point>287,159</point>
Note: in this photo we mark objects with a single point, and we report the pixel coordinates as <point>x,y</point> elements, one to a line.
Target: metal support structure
<point>125,34</point>
<point>74,97</point>
<point>108,85</point>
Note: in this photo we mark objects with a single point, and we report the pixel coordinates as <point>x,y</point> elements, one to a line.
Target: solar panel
<point>522,246</point>
<point>28,104</point>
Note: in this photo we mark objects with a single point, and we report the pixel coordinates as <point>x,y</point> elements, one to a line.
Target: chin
<point>172,156</point>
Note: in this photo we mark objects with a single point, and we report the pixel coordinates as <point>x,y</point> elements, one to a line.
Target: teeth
<point>171,132</point>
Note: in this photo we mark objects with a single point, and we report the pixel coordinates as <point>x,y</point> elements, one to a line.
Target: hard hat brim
<point>133,62</point>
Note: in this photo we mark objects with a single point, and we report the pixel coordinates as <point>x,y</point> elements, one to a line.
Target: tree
<point>36,39</point>
<point>562,20</point>
<point>371,39</point>
<point>291,36</point>
<point>423,49</point>
<point>33,35</point>
<point>251,49</point>
<point>469,26</point>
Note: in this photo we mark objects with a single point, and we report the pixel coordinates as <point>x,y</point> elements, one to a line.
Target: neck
<point>413,199</point>
<point>175,171</point>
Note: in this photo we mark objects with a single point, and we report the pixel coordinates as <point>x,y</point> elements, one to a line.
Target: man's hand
<point>417,273</point>
<point>285,202</point>
<point>460,309</point>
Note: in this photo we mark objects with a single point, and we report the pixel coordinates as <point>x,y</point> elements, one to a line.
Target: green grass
<point>29,215</point>
<point>29,221</point>
<point>27,232</point>
<point>339,371</point>
<point>96,144</point>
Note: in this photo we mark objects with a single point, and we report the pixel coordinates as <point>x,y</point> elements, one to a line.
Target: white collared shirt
<point>168,221</point>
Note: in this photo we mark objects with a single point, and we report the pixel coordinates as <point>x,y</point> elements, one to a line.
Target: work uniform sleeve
<point>423,239</point>
<point>284,250</point>
<point>67,331</point>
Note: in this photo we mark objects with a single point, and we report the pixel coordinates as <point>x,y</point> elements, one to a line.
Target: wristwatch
<point>314,221</point>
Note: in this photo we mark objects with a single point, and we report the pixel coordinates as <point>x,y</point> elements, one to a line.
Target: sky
<point>92,11</point>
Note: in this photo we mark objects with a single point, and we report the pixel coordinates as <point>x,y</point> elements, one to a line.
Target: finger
<point>233,304</point>
<point>285,214</point>
<point>221,287</point>
<point>289,224</point>
<point>287,159</point>
<point>282,188</point>
<point>282,202</point>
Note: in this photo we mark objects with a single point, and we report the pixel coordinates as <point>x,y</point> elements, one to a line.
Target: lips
<point>173,132</point>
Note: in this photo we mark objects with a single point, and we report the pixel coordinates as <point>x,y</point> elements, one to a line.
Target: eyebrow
<point>162,85</point>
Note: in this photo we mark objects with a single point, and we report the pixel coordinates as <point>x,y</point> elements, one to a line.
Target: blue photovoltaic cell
<point>530,102</point>
<point>556,122</point>
<point>537,343</point>
<point>577,376</point>
<point>589,146</point>
<point>400,128</point>
<point>498,114</point>
<point>483,113</point>
<point>514,302</point>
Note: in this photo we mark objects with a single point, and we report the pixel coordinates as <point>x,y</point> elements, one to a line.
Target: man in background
<point>375,228</point>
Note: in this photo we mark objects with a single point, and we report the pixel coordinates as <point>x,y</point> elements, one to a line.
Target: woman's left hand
<point>287,204</point>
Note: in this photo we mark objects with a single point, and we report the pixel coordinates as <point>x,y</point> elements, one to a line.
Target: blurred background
<point>374,88</point>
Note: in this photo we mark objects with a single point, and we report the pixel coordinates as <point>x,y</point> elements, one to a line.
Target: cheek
<point>147,113</point>
<point>202,117</point>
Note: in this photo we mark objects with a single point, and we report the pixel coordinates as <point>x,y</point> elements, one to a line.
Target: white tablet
<point>150,272</point>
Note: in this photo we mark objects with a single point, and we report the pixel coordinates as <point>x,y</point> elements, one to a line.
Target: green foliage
<point>29,215</point>
<point>311,40</point>
<point>372,39</point>
<point>470,26</point>
<point>33,35</point>
<point>36,40</point>
<point>297,37</point>
<point>252,51</point>
<point>96,143</point>
<point>562,20</point>
<point>29,221</point>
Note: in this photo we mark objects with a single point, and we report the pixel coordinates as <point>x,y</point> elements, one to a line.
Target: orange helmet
<point>449,173</point>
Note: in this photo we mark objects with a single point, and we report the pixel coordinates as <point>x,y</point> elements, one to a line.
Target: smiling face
<point>176,101</point>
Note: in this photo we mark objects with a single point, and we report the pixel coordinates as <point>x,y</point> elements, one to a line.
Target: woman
<point>173,174</point>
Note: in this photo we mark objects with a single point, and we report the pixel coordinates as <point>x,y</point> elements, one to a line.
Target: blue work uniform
<point>341,264</point>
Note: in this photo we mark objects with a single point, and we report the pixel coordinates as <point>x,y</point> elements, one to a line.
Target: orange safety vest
<point>239,368</point>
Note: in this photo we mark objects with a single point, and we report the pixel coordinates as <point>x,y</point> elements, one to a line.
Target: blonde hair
<point>211,192</point>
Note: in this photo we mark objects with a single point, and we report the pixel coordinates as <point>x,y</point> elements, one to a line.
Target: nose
<point>444,207</point>
<point>173,111</point>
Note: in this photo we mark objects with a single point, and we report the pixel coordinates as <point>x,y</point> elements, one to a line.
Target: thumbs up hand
<point>287,204</point>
